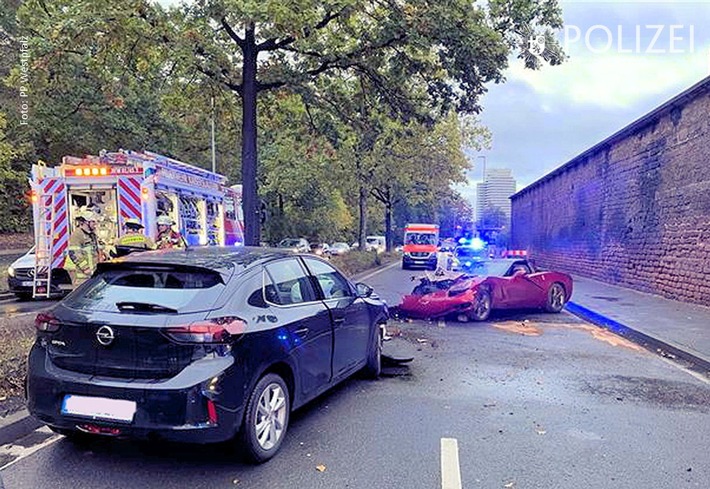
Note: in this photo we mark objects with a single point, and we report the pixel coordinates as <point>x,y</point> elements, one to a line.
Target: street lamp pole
<point>214,159</point>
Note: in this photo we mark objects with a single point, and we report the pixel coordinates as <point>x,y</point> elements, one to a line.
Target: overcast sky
<point>542,119</point>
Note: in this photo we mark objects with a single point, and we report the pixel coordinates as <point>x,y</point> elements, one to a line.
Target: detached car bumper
<point>145,409</point>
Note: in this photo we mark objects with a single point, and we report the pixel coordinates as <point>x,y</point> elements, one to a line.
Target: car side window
<point>286,283</point>
<point>331,282</point>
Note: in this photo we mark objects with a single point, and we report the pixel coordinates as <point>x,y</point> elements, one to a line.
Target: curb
<point>654,345</point>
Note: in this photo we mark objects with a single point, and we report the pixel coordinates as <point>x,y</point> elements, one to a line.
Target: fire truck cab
<point>126,185</point>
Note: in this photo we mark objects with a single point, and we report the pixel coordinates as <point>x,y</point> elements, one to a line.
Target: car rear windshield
<point>148,289</point>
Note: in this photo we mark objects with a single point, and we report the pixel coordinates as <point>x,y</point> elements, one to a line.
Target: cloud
<point>542,119</point>
<point>614,80</point>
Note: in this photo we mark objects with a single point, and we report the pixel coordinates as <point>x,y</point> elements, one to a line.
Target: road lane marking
<point>450,471</point>
<point>379,270</point>
<point>675,364</point>
<point>19,452</point>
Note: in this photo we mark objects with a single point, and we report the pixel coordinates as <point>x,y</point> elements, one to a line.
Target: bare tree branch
<point>235,37</point>
<point>273,44</point>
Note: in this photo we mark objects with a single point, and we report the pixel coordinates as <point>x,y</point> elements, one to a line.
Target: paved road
<point>10,304</point>
<point>548,403</point>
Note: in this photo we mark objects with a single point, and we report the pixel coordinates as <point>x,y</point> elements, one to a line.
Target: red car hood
<point>441,302</point>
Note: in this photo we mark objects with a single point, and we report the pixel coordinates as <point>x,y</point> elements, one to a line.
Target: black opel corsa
<point>203,345</point>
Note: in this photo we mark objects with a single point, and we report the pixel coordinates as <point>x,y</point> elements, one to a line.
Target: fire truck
<point>117,186</point>
<point>421,242</point>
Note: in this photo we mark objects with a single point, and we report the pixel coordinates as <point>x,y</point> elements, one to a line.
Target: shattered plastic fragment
<point>320,468</point>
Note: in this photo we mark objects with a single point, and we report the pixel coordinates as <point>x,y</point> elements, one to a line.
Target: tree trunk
<point>388,226</point>
<point>250,194</point>
<point>362,204</point>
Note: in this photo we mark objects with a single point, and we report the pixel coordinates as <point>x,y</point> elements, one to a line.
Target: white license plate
<point>26,283</point>
<point>99,407</point>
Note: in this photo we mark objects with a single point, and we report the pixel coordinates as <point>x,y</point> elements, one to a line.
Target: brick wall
<point>634,210</point>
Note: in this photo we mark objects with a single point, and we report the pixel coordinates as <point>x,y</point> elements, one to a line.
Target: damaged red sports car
<point>487,285</point>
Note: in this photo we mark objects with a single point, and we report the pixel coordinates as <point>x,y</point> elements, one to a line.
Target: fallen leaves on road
<point>422,340</point>
<point>528,328</point>
<point>320,468</point>
<point>524,328</point>
<point>509,484</point>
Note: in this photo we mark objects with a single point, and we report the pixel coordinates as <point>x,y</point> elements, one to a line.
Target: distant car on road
<point>489,285</point>
<point>376,243</point>
<point>467,258</point>
<point>21,274</point>
<point>201,346</point>
<point>298,245</point>
<point>338,248</point>
<point>320,249</point>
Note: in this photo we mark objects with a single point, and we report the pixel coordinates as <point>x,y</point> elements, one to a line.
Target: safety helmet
<point>86,215</point>
<point>164,221</point>
<point>133,223</point>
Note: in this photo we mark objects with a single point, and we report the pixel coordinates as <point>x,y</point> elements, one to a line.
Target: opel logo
<point>105,335</point>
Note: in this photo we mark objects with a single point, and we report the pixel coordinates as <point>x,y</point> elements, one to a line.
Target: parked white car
<point>20,277</point>
<point>298,245</point>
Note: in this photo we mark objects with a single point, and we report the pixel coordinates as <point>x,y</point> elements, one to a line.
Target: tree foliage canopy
<point>357,99</point>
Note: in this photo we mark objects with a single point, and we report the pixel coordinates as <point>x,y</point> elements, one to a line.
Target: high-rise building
<point>495,191</point>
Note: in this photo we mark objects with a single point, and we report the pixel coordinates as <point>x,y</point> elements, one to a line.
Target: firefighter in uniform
<point>167,237</point>
<point>134,237</point>
<point>83,249</point>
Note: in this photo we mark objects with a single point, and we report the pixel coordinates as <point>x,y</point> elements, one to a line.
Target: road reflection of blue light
<point>288,340</point>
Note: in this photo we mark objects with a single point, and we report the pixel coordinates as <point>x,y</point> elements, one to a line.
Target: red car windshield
<point>488,268</point>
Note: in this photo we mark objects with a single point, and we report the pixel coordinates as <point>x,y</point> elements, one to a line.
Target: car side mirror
<point>364,290</point>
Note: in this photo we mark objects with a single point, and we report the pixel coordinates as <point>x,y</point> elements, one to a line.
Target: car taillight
<point>217,330</point>
<point>46,323</point>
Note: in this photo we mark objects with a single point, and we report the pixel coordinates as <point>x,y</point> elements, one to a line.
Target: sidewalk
<point>678,329</point>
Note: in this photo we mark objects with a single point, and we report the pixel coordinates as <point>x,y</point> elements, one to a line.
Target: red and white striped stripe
<point>129,199</point>
<point>55,188</point>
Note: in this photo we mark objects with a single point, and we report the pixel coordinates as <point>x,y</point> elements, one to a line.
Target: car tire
<point>373,368</point>
<point>24,296</point>
<point>482,308</point>
<point>555,298</point>
<point>405,266</point>
<point>266,418</point>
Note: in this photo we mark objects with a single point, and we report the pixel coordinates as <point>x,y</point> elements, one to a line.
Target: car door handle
<point>339,320</point>
<point>303,332</point>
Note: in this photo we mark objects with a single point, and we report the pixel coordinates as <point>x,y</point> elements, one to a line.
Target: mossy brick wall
<point>633,210</point>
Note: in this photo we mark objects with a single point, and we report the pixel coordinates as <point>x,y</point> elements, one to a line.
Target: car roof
<point>217,258</point>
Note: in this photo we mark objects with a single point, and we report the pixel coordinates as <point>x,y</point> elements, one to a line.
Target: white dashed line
<point>18,452</point>
<point>450,471</point>
<point>378,271</point>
